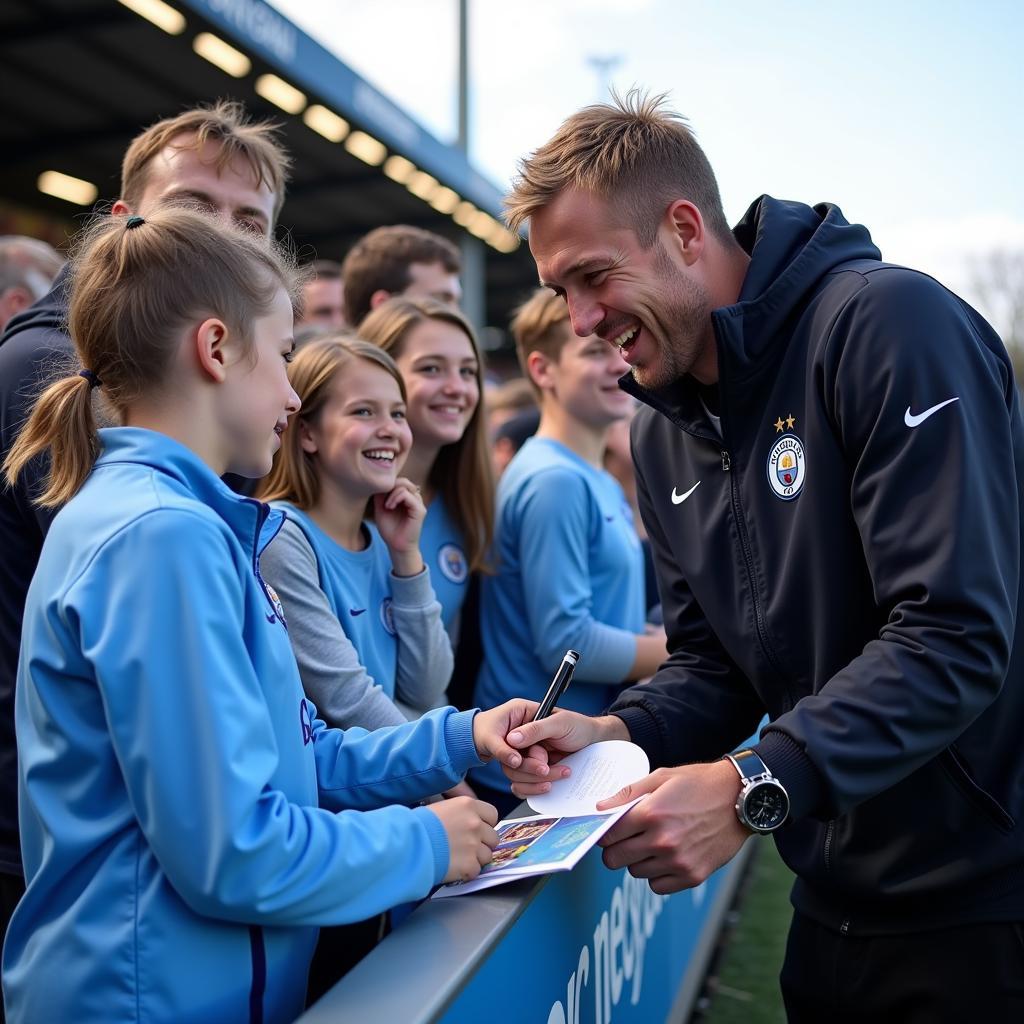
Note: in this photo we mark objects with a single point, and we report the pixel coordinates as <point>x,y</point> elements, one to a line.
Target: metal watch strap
<point>754,775</point>
<point>749,766</point>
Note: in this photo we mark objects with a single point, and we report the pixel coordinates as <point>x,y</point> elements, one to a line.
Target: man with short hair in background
<point>323,298</point>
<point>213,158</point>
<point>27,269</point>
<point>399,260</point>
<point>569,570</point>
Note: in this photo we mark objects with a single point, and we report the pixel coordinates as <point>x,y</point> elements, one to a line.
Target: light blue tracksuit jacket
<point>186,820</point>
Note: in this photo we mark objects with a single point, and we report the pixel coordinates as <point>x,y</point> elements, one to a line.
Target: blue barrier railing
<point>591,946</point>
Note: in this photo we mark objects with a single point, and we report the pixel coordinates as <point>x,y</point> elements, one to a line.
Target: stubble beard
<point>682,323</point>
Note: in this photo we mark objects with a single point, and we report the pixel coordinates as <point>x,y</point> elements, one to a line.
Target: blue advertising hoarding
<point>596,946</point>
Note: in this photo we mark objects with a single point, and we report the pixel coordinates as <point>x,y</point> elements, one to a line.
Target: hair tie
<point>94,381</point>
<point>134,221</point>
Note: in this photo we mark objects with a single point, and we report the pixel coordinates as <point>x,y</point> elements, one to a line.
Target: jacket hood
<point>49,311</point>
<point>792,246</point>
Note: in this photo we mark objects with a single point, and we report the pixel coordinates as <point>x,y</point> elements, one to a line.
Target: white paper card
<point>598,771</point>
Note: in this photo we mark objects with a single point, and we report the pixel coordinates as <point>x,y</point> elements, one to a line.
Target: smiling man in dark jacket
<point>830,465</point>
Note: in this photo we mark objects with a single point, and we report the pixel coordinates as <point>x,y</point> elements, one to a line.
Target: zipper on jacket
<point>829,832</point>
<point>262,515</point>
<point>258,987</point>
<point>748,558</point>
<point>844,928</point>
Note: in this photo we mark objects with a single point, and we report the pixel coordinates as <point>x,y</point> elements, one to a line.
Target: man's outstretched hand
<point>683,830</point>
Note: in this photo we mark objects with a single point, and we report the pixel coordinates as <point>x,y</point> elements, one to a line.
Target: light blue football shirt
<point>444,553</point>
<point>569,575</point>
<point>358,587</point>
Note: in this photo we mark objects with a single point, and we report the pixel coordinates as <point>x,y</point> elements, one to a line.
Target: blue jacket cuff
<point>438,841</point>
<point>458,738</point>
<point>788,762</point>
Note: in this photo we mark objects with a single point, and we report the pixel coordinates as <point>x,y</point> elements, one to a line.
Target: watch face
<point>766,806</point>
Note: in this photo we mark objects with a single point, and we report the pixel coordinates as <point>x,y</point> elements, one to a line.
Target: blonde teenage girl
<point>366,627</point>
<point>436,350</point>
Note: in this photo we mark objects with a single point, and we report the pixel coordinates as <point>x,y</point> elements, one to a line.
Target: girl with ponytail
<point>187,819</point>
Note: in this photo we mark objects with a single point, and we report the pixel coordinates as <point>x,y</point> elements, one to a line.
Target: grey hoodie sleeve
<point>425,659</point>
<point>332,676</point>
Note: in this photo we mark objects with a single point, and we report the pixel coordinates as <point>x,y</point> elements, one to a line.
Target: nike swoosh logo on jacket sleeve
<point>915,421</point>
<point>678,499</point>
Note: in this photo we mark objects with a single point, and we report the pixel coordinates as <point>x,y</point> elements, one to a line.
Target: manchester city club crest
<point>451,560</point>
<point>787,467</point>
<point>387,615</point>
<point>275,601</point>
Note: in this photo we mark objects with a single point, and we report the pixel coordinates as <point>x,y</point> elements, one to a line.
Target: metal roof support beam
<point>474,281</point>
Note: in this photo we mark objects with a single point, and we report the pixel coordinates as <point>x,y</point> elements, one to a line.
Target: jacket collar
<point>792,248</point>
<point>253,523</point>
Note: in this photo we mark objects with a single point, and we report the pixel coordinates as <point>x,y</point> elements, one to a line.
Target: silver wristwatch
<point>763,803</point>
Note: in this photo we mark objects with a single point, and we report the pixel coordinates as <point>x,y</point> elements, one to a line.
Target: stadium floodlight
<point>325,122</point>
<point>281,93</point>
<point>481,224</point>
<point>64,186</point>
<point>502,239</point>
<point>368,149</point>
<point>397,168</point>
<point>423,186</point>
<point>157,13</point>
<point>222,55</point>
<point>464,213</point>
<point>445,200</point>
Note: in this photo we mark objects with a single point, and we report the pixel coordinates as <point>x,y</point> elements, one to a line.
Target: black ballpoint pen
<point>558,685</point>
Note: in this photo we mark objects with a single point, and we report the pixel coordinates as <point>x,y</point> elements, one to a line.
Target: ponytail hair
<point>63,422</point>
<point>135,286</point>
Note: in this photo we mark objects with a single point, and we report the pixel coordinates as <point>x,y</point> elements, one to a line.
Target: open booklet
<point>570,825</point>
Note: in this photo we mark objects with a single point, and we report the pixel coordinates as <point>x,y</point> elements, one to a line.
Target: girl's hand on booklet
<point>399,517</point>
<point>543,744</point>
<point>469,825</point>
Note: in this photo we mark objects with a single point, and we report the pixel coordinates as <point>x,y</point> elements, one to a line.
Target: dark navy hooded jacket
<point>850,565</point>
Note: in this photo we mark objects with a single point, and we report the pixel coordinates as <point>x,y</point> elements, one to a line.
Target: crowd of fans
<point>433,538</point>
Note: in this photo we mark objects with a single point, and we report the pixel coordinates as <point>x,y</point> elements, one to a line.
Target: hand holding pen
<point>490,728</point>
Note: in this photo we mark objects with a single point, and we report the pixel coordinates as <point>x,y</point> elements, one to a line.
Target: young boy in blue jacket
<point>570,570</point>
<point>187,820</point>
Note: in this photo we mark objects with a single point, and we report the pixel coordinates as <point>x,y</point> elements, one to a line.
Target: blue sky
<point>906,113</point>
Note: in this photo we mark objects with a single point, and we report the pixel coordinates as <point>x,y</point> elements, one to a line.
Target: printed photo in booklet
<point>537,846</point>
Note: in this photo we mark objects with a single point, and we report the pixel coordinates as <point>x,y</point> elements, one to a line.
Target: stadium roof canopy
<point>80,78</point>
